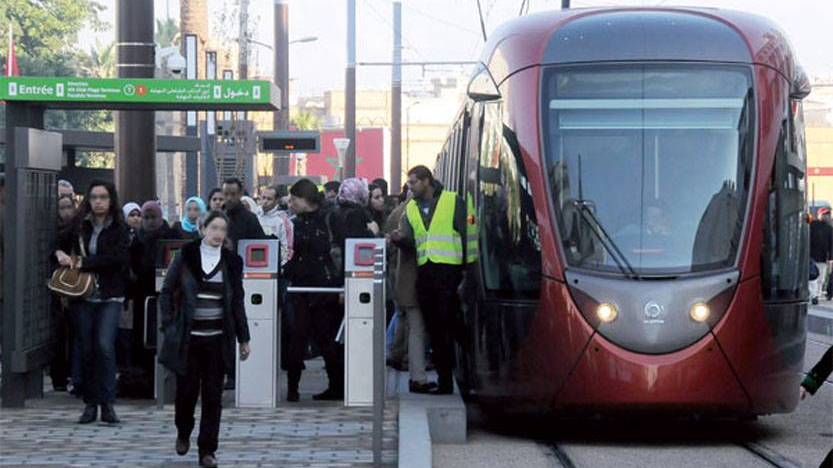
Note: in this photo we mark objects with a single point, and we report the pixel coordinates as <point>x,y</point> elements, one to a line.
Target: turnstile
<point>164,381</point>
<point>258,376</point>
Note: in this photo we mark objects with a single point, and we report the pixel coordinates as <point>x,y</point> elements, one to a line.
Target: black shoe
<point>421,387</point>
<point>441,390</point>
<point>76,391</point>
<point>292,396</point>
<point>329,395</point>
<point>182,446</point>
<point>208,461</point>
<point>108,414</point>
<point>89,415</point>
<point>59,388</point>
<point>229,384</point>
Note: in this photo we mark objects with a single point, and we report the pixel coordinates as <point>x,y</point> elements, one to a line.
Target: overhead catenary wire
<point>482,23</point>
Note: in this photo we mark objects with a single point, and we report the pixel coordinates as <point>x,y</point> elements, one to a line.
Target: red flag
<point>11,59</point>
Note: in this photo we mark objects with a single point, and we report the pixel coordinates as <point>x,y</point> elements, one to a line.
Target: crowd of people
<point>100,348</point>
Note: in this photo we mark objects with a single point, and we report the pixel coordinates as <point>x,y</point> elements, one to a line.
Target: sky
<point>449,30</point>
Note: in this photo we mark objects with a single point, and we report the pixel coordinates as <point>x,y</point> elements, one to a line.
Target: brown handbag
<point>72,283</point>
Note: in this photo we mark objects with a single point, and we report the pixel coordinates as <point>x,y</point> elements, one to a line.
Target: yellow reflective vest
<point>440,243</point>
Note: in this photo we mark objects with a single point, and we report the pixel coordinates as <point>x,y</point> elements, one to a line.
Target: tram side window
<point>784,255</point>
<point>510,248</point>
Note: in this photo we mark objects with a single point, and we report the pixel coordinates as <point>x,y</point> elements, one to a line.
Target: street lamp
<point>296,41</point>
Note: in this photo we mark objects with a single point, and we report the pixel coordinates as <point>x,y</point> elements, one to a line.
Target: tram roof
<point>637,34</point>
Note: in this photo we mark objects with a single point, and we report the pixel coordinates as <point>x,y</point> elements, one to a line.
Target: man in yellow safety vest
<point>437,229</point>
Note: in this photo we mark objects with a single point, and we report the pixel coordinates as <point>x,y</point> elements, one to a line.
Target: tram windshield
<point>649,164</point>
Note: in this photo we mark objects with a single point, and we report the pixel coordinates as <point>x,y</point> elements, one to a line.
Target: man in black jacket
<point>244,223</point>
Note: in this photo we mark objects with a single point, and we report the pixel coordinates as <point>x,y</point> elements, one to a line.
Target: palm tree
<point>167,33</point>
<point>100,62</point>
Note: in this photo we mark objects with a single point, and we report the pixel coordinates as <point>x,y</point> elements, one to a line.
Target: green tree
<point>100,62</point>
<point>46,36</point>
<point>167,33</point>
<point>305,120</point>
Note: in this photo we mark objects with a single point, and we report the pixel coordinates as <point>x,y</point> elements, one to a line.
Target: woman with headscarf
<point>124,338</point>
<point>251,204</point>
<point>143,260</point>
<point>189,227</point>
<point>351,218</point>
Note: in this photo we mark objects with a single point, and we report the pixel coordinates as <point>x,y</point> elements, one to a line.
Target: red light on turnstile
<point>363,254</point>
<point>257,255</point>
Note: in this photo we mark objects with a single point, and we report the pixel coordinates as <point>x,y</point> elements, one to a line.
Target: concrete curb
<point>425,420</point>
<point>820,320</point>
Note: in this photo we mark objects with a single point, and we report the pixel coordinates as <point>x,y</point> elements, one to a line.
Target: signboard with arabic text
<point>140,93</point>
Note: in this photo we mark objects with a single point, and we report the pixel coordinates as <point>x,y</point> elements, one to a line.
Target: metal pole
<point>135,138</point>
<point>379,368</point>
<point>350,92</point>
<point>191,53</point>
<point>396,102</point>
<point>243,55</point>
<point>281,50</point>
<point>565,4</point>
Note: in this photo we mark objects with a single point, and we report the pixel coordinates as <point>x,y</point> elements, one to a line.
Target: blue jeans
<point>98,323</point>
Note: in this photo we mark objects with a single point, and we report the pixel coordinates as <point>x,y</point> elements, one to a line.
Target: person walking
<point>436,229</point>
<point>811,384</point>
<point>189,227</point>
<point>275,222</point>
<point>61,367</point>
<point>102,241</point>
<point>316,316</point>
<point>202,305</point>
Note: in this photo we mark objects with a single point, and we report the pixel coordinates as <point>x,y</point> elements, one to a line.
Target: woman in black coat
<point>104,236</point>
<point>202,314</point>
<point>316,316</point>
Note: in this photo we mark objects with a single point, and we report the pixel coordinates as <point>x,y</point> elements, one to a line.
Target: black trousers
<point>63,335</point>
<point>436,289</point>
<point>317,319</point>
<point>204,375</point>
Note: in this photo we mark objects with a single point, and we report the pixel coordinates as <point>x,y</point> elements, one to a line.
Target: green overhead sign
<point>167,93</point>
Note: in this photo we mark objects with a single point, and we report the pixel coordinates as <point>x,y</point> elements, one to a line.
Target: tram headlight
<point>699,312</point>
<point>606,312</point>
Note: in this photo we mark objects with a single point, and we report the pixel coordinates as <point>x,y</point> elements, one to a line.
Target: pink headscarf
<point>354,190</point>
<point>153,206</point>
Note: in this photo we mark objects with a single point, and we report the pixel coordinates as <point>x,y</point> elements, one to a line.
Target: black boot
<point>293,378</point>
<point>89,415</point>
<point>108,414</point>
<point>332,393</point>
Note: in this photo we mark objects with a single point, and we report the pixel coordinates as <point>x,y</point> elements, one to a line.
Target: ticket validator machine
<point>364,315</point>
<point>258,376</point>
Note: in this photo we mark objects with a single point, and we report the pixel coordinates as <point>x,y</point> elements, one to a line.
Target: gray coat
<point>179,299</point>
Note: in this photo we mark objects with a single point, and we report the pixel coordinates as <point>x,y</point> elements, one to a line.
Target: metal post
<point>379,368</point>
<point>396,102</point>
<point>191,51</point>
<point>565,4</point>
<point>350,92</point>
<point>243,41</point>
<point>280,164</point>
<point>135,139</point>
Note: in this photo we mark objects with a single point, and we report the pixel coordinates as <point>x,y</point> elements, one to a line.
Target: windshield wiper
<point>607,241</point>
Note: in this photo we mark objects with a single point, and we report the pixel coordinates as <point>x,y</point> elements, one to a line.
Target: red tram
<point>636,187</point>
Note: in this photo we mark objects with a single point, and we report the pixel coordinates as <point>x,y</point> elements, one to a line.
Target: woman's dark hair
<point>212,192</point>
<point>66,196</point>
<point>212,215</point>
<point>281,190</point>
<point>115,213</point>
<point>307,190</point>
<point>370,189</point>
<point>382,185</point>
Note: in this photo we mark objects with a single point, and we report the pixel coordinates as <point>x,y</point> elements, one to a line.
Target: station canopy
<point>140,93</point>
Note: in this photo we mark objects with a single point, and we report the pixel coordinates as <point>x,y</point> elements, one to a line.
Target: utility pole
<point>350,92</point>
<point>280,163</point>
<point>243,41</point>
<point>135,138</point>
<point>396,102</point>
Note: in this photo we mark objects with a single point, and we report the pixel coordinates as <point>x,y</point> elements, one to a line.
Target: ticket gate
<point>364,302</point>
<point>258,376</point>
<point>164,390</point>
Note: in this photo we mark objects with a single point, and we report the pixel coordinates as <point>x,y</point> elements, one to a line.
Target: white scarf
<point>210,257</point>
